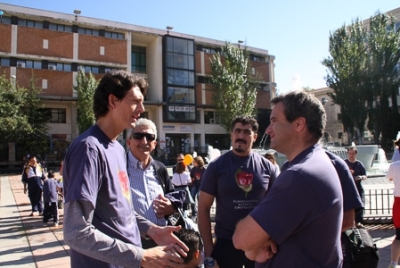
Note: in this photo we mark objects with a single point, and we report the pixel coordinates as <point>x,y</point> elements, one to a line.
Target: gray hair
<point>144,122</point>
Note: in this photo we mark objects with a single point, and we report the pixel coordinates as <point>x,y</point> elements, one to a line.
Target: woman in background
<point>271,157</point>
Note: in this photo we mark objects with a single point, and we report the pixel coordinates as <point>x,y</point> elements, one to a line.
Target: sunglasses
<point>139,136</point>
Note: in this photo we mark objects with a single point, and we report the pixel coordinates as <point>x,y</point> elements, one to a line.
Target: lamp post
<point>169,28</point>
<point>240,42</point>
<point>1,16</point>
<point>77,12</point>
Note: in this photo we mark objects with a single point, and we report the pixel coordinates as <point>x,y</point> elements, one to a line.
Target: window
<point>60,27</point>
<point>179,79</point>
<point>55,115</point>
<point>32,64</point>
<point>114,35</point>
<point>203,79</point>
<point>138,59</point>
<point>211,117</point>
<point>180,95</point>
<point>30,23</point>
<point>4,61</point>
<point>256,58</point>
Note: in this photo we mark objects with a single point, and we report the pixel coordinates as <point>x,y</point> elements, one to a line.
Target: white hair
<point>144,122</point>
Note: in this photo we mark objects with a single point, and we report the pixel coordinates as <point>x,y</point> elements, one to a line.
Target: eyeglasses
<point>139,136</point>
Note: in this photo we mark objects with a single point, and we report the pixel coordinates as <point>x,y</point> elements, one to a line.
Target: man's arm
<point>83,237</point>
<point>253,240</point>
<point>348,219</point>
<point>204,221</point>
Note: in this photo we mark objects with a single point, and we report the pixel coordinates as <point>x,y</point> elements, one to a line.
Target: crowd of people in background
<point>124,203</point>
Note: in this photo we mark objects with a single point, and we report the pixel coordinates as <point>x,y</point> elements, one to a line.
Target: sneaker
<point>45,223</point>
<point>56,224</point>
<point>391,266</point>
<point>34,213</point>
<point>40,213</point>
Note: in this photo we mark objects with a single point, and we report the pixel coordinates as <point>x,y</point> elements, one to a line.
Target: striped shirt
<point>145,187</point>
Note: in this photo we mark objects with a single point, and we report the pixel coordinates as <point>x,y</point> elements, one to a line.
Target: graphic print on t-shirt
<point>244,180</point>
<point>124,182</point>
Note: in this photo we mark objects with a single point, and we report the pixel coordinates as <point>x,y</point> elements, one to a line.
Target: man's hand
<point>264,253</point>
<point>163,206</point>
<point>165,256</point>
<point>163,235</point>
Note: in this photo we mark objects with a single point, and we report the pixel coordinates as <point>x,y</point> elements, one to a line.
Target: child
<point>50,198</point>
<point>192,240</point>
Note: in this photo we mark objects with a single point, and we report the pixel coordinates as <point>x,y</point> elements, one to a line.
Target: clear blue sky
<point>295,32</point>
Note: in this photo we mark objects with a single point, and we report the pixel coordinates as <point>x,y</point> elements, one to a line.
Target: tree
<point>234,92</point>
<point>383,76</point>
<point>348,58</point>
<point>86,85</point>
<point>363,75</point>
<point>12,121</point>
<point>22,119</point>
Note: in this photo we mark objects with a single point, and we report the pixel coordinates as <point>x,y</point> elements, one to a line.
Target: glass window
<point>37,64</point>
<point>181,95</point>
<point>181,113</point>
<point>4,62</point>
<point>138,59</point>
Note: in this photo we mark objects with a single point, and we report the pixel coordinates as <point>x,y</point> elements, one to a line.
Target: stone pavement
<point>25,242</point>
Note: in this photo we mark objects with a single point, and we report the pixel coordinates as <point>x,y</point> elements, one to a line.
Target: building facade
<point>52,47</point>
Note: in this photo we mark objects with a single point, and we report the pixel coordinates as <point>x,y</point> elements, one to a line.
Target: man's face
<point>351,154</point>
<point>142,146</point>
<point>129,108</point>
<point>242,139</point>
<point>32,161</point>
<point>180,158</point>
<point>279,130</point>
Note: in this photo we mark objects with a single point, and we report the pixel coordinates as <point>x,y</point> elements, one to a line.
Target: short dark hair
<point>118,83</point>
<point>245,120</point>
<point>50,174</point>
<point>192,240</point>
<point>352,148</point>
<point>303,104</point>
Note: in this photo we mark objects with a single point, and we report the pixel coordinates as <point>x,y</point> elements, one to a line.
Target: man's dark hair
<point>50,174</point>
<point>117,83</point>
<point>302,104</point>
<point>245,120</point>
<point>192,240</point>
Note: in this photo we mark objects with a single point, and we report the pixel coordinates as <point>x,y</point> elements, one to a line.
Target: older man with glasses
<point>149,179</point>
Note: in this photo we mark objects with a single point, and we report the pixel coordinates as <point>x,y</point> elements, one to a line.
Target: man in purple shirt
<point>100,224</point>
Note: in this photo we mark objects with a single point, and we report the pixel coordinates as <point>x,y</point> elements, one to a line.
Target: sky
<point>295,32</point>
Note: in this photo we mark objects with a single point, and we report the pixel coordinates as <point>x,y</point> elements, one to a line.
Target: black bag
<point>359,250</point>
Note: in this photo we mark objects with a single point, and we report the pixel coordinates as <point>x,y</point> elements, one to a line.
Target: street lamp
<point>1,16</point>
<point>240,42</point>
<point>169,28</point>
<point>77,12</point>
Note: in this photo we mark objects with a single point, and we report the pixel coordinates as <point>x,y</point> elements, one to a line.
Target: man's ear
<point>196,254</point>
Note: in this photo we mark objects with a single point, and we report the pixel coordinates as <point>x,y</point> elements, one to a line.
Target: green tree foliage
<point>12,121</point>
<point>234,92</point>
<point>22,119</point>
<point>361,61</point>
<point>86,85</point>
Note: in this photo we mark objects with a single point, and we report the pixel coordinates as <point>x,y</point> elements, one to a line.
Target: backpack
<point>359,250</point>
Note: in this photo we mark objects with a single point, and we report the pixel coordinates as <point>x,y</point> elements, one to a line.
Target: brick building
<point>53,46</point>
